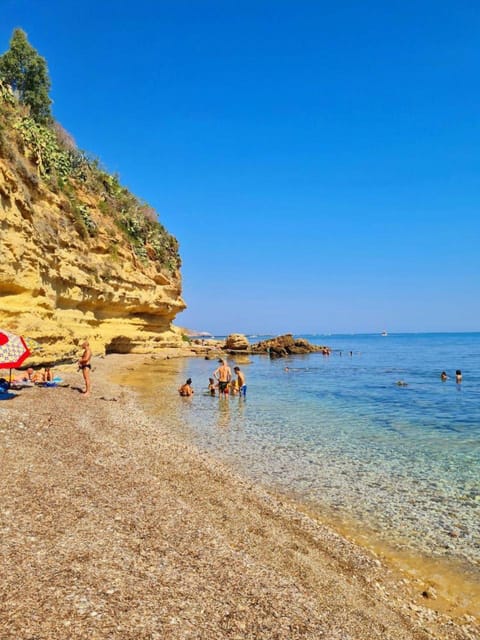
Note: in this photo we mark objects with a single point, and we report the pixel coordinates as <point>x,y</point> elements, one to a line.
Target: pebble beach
<point>112,526</point>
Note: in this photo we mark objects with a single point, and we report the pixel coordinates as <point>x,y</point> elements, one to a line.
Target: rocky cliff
<point>80,257</point>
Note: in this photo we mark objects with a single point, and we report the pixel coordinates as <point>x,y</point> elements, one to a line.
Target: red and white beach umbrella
<point>13,350</point>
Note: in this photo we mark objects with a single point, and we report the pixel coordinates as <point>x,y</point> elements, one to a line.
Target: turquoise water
<point>402,460</point>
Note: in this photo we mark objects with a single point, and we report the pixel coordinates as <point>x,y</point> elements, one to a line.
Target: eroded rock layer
<point>59,287</point>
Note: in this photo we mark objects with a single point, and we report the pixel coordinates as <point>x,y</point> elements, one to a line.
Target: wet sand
<point>113,527</point>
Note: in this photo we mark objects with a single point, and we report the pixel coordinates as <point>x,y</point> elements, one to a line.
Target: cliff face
<point>64,279</point>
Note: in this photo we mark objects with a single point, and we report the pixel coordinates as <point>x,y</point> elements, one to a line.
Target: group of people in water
<point>458,376</point>
<point>443,378</point>
<point>222,382</point>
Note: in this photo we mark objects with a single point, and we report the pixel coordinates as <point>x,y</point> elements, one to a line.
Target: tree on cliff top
<point>26,72</point>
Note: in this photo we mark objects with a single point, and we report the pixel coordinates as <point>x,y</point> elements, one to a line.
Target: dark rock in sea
<point>285,345</point>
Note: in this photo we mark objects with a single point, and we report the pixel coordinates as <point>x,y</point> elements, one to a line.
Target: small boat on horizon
<point>384,333</point>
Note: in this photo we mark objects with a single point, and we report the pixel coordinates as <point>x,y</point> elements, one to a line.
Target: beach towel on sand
<point>56,382</point>
<point>6,395</point>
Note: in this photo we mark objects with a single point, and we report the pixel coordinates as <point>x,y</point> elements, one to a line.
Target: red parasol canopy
<point>13,350</point>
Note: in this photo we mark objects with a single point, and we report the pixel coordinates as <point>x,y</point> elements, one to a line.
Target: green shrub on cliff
<point>42,151</point>
<point>51,158</point>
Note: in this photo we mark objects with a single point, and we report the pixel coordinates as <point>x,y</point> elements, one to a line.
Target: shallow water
<point>402,461</point>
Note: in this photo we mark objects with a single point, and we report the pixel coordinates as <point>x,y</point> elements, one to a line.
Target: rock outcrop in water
<point>237,344</point>
<point>285,345</point>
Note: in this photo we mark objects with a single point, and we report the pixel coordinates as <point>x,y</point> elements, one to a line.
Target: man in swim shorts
<point>85,366</point>
<point>223,374</point>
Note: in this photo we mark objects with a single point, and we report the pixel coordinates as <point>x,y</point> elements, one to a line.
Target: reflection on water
<point>223,413</point>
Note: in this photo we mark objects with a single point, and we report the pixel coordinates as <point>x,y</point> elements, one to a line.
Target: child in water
<point>241,384</point>
<point>211,386</point>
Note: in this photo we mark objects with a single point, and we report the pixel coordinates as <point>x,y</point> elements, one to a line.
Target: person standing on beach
<point>242,387</point>
<point>223,374</point>
<point>85,366</point>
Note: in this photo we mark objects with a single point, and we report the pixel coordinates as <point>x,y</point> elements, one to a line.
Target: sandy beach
<point>112,527</point>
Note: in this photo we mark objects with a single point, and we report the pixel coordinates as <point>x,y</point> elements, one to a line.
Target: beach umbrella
<point>13,351</point>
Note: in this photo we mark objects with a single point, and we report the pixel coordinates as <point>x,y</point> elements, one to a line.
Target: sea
<point>398,462</point>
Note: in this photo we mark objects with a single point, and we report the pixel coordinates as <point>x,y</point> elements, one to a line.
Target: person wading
<point>223,374</point>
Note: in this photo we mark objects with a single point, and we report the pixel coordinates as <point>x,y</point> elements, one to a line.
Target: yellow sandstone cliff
<point>64,279</point>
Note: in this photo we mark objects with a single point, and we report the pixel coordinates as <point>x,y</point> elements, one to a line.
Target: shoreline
<point>117,528</point>
<point>444,585</point>
<point>447,584</point>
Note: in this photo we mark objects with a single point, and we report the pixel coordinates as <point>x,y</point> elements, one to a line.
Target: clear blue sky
<point>318,161</point>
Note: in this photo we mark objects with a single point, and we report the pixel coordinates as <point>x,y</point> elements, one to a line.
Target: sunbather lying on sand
<point>29,376</point>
